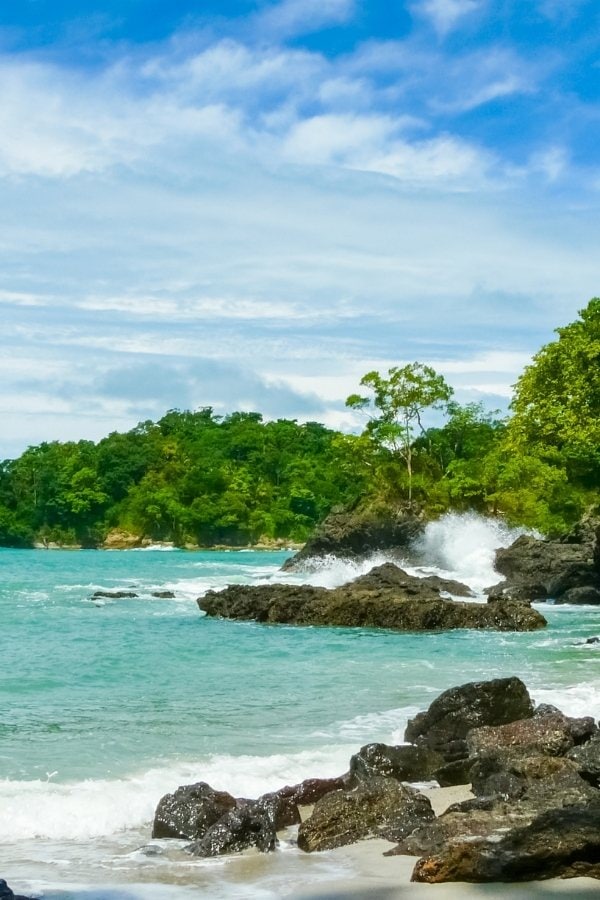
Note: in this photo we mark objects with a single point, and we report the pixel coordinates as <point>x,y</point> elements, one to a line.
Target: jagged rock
<point>445,725</point>
<point>352,534</point>
<point>379,807</point>
<point>587,759</point>
<point>543,781</point>
<point>389,575</point>
<point>588,595</point>
<point>312,789</point>
<point>405,763</point>
<point>283,811</point>
<point>526,591</point>
<point>553,735</point>
<point>411,605</point>
<point>114,595</point>
<point>558,843</point>
<point>577,575</point>
<point>190,811</point>
<point>252,824</point>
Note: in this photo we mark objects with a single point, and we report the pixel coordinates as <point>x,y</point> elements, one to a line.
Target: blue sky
<point>250,204</point>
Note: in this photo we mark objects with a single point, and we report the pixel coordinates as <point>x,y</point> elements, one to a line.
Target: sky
<point>248,205</point>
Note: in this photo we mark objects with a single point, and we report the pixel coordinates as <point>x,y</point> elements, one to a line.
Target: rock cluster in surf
<point>535,774</point>
<point>387,597</point>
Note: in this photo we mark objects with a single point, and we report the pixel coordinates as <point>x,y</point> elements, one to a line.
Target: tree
<point>396,406</point>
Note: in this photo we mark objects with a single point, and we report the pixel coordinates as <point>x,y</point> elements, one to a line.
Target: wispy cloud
<point>445,15</point>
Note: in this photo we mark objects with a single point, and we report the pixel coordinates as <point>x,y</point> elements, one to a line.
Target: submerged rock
<point>377,807</point>
<point>385,598</point>
<point>114,595</point>
<point>190,811</point>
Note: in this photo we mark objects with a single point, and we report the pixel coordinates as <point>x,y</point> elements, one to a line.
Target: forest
<point>199,479</point>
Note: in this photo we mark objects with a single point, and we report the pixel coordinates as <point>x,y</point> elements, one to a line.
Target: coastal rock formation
<point>352,534</point>
<point>552,734</point>
<point>190,811</point>
<point>561,842</point>
<point>377,807</point>
<point>405,763</point>
<point>114,595</point>
<point>250,824</point>
<point>312,789</point>
<point>566,571</point>
<point>385,598</point>
<point>587,760</point>
<point>445,725</point>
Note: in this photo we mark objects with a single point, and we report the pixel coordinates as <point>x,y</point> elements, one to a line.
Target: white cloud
<point>446,14</point>
<point>295,17</point>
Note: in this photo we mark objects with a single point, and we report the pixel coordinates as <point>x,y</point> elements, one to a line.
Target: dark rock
<point>312,789</point>
<point>558,843</point>
<point>282,810</point>
<point>352,534</point>
<point>7,894</point>
<point>379,807</point>
<point>526,591</point>
<point>541,781</point>
<point>164,595</point>
<point>252,824</point>
<point>114,595</point>
<point>415,606</point>
<point>531,560</point>
<point>553,735</point>
<point>577,575</point>
<point>592,640</point>
<point>587,759</point>
<point>588,595</point>
<point>448,585</point>
<point>445,725</point>
<point>456,772</point>
<point>390,575</point>
<point>190,811</point>
<point>405,763</point>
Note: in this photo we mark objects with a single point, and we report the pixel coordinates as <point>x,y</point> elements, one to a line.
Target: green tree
<point>396,404</point>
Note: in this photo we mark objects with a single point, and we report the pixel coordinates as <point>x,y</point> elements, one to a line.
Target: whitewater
<point>106,704</point>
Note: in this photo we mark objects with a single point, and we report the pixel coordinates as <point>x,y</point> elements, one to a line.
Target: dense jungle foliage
<point>198,478</point>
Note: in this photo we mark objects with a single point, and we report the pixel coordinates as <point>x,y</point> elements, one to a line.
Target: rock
<point>390,575</point>
<point>411,605</point>
<point>445,725</point>
<point>552,735</point>
<point>456,772</point>
<point>312,789</point>
<point>540,781</point>
<point>355,534</point>
<point>448,585</point>
<point>528,591</point>
<point>114,595</point>
<point>379,807</point>
<point>190,811</point>
<point>116,539</point>
<point>592,640</point>
<point>283,811</point>
<point>405,763</point>
<point>7,894</point>
<point>558,843</point>
<point>252,824</point>
<point>164,595</point>
<point>588,595</point>
<point>587,759</point>
<point>576,575</point>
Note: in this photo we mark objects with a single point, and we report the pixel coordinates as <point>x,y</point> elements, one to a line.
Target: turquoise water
<point>107,704</point>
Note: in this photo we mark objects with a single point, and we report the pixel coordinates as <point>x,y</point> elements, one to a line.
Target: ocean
<point>107,704</point>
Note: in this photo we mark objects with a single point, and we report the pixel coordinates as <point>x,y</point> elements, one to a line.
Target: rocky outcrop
<point>553,734</point>
<point>566,571</point>
<point>385,598</point>
<point>587,760</point>
<point>377,807</point>
<point>251,824</point>
<point>445,725</point>
<point>561,842</point>
<point>355,534</point>
<point>190,811</point>
<point>405,763</point>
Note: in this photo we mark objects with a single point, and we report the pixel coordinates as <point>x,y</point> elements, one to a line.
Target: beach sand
<point>361,871</point>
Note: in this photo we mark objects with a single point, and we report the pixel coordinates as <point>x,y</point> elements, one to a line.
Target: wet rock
<point>114,595</point>
<point>352,534</point>
<point>283,811</point>
<point>252,824</point>
<point>452,773</point>
<point>553,734</point>
<point>526,591</point>
<point>592,640</point>
<point>164,595</point>
<point>445,725</point>
<point>561,843</point>
<point>588,595</point>
<point>414,606</point>
<point>390,575</point>
<point>405,763</point>
<point>312,789</point>
<point>531,560</point>
<point>379,807</point>
<point>578,575</point>
<point>190,811</point>
<point>587,759</point>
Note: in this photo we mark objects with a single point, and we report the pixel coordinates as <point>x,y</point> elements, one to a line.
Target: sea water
<point>107,704</point>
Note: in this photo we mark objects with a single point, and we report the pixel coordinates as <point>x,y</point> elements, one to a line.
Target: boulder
<point>561,843</point>
<point>389,575</point>
<point>164,595</point>
<point>405,763</point>
<point>190,811</point>
<point>538,781</point>
<point>410,605</point>
<point>587,759</point>
<point>588,595</point>
<point>312,789</point>
<point>553,735</point>
<point>352,534</point>
<point>379,807</point>
<point>445,725</point>
<point>251,824</point>
<point>114,595</point>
